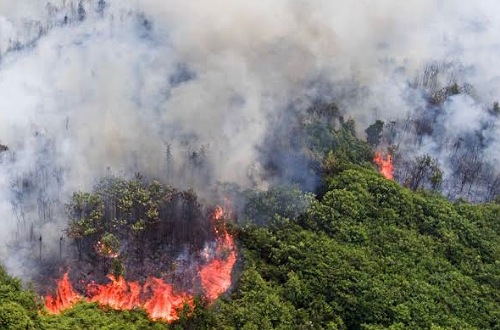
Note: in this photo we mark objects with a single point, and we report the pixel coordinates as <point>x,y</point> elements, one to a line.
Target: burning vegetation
<point>385,165</point>
<point>271,115</point>
<point>136,252</point>
<point>140,245</point>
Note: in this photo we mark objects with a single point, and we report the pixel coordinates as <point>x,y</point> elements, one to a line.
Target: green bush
<point>14,317</point>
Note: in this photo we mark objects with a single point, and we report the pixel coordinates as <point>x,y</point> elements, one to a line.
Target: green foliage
<point>14,317</point>
<point>86,211</point>
<point>116,204</point>
<point>367,254</point>
<point>147,215</point>
<point>288,202</point>
<point>321,138</point>
<point>109,244</point>
<point>18,306</point>
<point>85,316</point>
<point>117,268</point>
<point>374,133</point>
<point>258,305</point>
<point>372,255</point>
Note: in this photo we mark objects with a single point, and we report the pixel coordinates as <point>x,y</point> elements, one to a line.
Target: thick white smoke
<point>88,87</point>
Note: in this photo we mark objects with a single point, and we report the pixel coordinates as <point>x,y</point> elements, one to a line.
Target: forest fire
<point>158,298</point>
<point>118,294</point>
<point>216,275</point>
<point>64,298</point>
<point>385,165</point>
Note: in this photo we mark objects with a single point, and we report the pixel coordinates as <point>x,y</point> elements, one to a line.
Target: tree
<point>424,173</point>
<point>81,12</point>
<point>18,306</point>
<point>374,133</point>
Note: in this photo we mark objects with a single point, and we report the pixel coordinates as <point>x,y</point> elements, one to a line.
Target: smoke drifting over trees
<point>199,92</point>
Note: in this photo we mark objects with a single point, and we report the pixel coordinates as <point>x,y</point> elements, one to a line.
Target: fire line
<point>155,296</point>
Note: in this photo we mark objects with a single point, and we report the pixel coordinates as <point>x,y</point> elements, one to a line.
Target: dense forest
<point>363,253</point>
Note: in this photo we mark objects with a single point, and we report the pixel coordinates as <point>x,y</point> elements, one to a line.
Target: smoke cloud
<point>165,87</point>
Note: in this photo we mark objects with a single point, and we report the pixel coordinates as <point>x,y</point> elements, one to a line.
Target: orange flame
<point>64,298</point>
<point>216,275</point>
<point>385,165</point>
<point>164,303</point>
<point>120,295</point>
<point>156,297</point>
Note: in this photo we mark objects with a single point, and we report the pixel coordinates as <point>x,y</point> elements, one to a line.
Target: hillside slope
<point>370,254</point>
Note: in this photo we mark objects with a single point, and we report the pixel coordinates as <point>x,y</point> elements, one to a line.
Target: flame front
<point>119,294</point>
<point>385,165</point>
<point>156,297</point>
<point>216,275</point>
<point>164,303</point>
<point>64,298</point>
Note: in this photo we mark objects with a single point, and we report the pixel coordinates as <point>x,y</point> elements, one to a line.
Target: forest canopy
<point>367,254</point>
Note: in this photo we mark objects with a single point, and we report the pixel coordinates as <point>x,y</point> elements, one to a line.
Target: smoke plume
<point>192,92</point>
